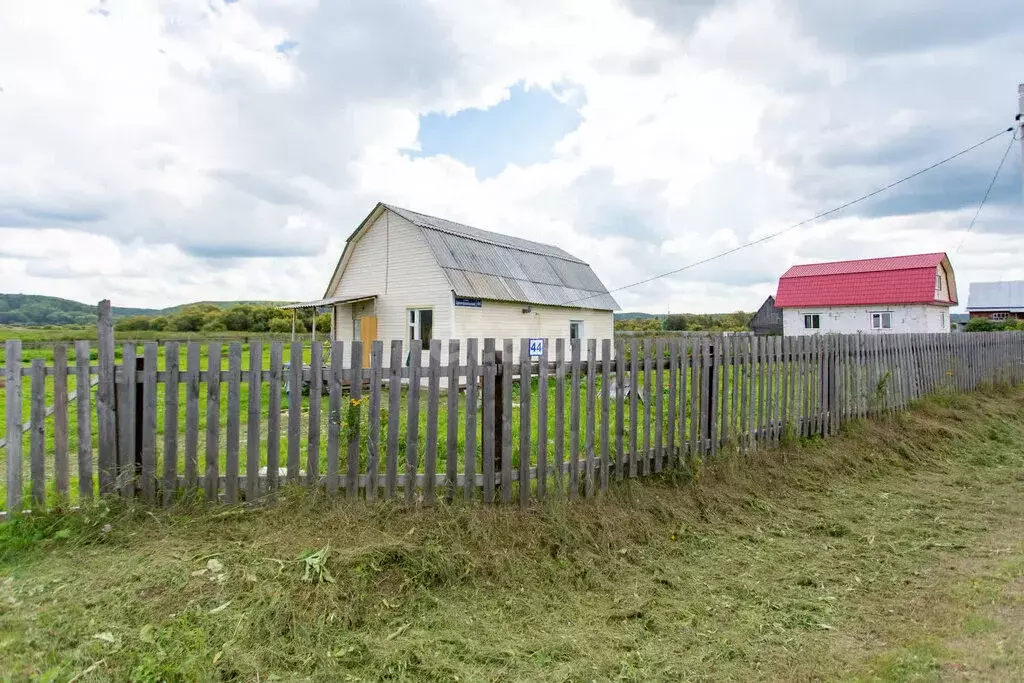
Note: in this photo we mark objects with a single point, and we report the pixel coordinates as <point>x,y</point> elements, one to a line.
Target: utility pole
<point>1020,121</point>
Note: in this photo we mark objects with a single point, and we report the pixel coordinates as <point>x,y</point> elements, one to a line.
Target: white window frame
<point>812,317</point>
<point>580,332</point>
<point>938,282</point>
<point>414,321</point>
<point>880,317</point>
<point>1000,316</point>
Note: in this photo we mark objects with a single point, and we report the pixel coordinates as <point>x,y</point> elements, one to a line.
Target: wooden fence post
<point>12,373</point>
<point>106,416</point>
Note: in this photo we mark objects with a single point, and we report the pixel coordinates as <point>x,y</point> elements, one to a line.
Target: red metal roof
<point>889,280</point>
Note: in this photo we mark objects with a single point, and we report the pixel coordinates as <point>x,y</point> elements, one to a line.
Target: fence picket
<point>83,405</point>
<point>60,421</point>
<point>634,418</point>
<point>294,411</point>
<point>126,422</point>
<point>274,416</point>
<point>525,390</point>
<point>433,408</point>
<point>659,404</point>
<point>106,416</point>
<point>670,410</point>
<point>559,413</point>
<point>606,360</point>
<point>574,421</point>
<point>472,377</point>
<point>693,363</point>
<point>211,480</point>
<point>254,392</point>
<point>451,443</point>
<point>506,423</point>
<point>620,408</point>
<point>588,472</point>
<point>542,422</point>
<point>191,417</point>
<point>316,388</point>
<point>648,396</point>
<point>334,399</point>
<point>373,437</point>
<point>148,480</point>
<point>234,422</point>
<point>682,353</point>
<point>489,382</point>
<point>37,435</point>
<point>394,410</point>
<point>352,419</point>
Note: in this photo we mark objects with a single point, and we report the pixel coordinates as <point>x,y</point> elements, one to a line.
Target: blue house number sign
<point>536,348</point>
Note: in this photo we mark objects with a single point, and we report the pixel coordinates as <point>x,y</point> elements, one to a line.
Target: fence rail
<point>485,429</point>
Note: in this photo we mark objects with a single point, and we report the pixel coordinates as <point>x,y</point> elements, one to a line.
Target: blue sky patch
<point>519,130</point>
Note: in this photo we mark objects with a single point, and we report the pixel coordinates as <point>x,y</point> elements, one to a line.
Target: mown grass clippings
<point>890,553</point>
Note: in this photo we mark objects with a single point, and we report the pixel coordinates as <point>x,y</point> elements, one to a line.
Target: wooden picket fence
<point>485,429</point>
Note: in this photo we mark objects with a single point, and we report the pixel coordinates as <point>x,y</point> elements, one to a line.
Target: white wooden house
<point>405,275</point>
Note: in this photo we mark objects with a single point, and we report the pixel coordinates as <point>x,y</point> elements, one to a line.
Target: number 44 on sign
<point>536,348</point>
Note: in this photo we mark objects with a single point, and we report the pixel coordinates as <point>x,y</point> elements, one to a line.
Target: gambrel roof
<point>480,264</point>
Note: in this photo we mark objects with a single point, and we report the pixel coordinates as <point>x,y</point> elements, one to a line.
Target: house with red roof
<point>890,295</point>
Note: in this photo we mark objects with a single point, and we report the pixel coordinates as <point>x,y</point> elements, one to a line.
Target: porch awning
<point>331,301</point>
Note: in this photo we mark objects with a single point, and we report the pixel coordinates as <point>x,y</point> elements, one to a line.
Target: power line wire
<point>802,223</point>
<point>1013,138</point>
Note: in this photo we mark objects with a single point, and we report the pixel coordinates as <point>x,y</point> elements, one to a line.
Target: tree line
<point>739,321</point>
<point>240,318</point>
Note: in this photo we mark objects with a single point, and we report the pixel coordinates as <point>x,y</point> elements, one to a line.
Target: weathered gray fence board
<point>670,410</point>
<point>252,427</point>
<point>451,443</point>
<point>506,425</point>
<point>126,422</point>
<point>620,408</point>
<point>316,388</point>
<point>172,361</point>
<point>542,423</point>
<point>489,383</point>
<point>373,424</point>
<point>294,411</point>
<point>334,418</point>
<point>606,356</point>
<point>574,420</point>
<point>659,404</point>
<point>634,417</point>
<point>559,413</point>
<point>234,421</point>
<point>106,417</point>
<point>648,396</point>
<point>274,417</point>
<point>525,391</point>
<point>433,410</point>
<point>83,406</point>
<point>37,434</point>
<point>60,420</point>
<point>394,408</point>
<point>149,404</point>
<point>212,471</point>
<point>352,419</point>
<point>472,377</point>
<point>589,463</point>
<point>191,416</point>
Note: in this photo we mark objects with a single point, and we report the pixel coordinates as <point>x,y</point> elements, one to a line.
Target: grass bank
<point>894,552</point>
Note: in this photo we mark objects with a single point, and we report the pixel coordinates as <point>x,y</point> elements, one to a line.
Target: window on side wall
<point>812,321</point>
<point>938,283</point>
<point>999,316</point>
<point>575,330</point>
<point>881,320</point>
<point>421,324</point>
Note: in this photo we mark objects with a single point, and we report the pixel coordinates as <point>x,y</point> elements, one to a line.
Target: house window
<point>943,320</point>
<point>938,283</point>
<point>421,324</point>
<point>575,330</point>
<point>812,321</point>
<point>999,316</point>
<point>881,321</point>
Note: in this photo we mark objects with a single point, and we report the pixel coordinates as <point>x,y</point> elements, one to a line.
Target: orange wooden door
<point>367,335</point>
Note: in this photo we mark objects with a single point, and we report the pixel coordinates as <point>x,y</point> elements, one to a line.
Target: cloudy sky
<point>156,152</point>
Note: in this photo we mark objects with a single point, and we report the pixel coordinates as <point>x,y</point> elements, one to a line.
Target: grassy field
<point>894,552</point>
<point>362,413</point>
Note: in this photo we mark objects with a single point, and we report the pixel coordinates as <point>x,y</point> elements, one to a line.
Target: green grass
<point>891,553</point>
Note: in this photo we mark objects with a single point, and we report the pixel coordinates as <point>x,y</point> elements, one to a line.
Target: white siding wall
<point>853,319</point>
<point>503,320</point>
<point>393,261</point>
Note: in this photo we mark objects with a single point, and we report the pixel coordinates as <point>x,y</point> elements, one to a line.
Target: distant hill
<point>35,309</point>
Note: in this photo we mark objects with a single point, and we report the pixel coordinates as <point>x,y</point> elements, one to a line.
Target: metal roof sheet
<point>870,265</point>
<point>996,296</point>
<point>489,265</point>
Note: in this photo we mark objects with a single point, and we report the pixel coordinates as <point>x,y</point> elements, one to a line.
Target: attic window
<point>938,283</point>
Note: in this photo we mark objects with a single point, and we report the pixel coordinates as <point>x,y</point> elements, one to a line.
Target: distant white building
<point>405,275</point>
<point>898,294</point>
